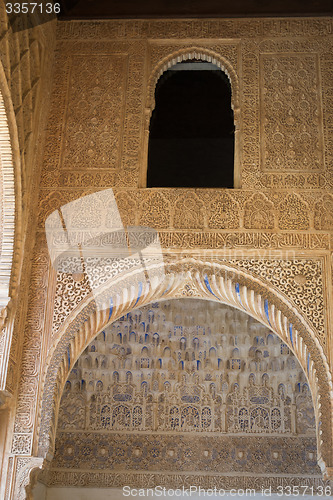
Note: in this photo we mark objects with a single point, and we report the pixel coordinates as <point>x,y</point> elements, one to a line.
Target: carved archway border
<point>11,186</point>
<point>11,223</point>
<point>198,53</point>
<point>218,282</point>
<point>184,54</point>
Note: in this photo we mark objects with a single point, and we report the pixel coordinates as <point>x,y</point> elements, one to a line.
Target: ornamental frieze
<point>301,212</point>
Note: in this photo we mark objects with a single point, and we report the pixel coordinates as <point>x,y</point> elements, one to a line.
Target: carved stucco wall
<point>262,54</point>
<point>276,228</point>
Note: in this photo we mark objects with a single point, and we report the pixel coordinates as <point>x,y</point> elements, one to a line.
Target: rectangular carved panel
<point>291,112</point>
<point>95,110</point>
<point>117,453</point>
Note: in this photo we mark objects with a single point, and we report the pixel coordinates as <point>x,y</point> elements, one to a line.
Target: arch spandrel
<point>199,280</point>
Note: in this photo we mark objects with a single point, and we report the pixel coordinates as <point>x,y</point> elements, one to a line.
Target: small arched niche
<point>191,133</point>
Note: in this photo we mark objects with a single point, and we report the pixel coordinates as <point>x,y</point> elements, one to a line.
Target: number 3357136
<point>31,7</point>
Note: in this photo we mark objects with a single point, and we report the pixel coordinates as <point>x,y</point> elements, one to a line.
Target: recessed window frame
<point>167,63</point>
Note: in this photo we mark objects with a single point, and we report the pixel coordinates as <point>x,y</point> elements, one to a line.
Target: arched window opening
<point>191,135</point>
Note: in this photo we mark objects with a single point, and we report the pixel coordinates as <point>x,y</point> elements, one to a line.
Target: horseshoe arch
<point>220,283</point>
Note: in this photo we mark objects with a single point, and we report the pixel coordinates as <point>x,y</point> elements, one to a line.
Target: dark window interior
<point>191,139</point>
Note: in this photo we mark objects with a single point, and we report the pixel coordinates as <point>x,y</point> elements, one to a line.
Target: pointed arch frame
<point>11,187</point>
<point>218,282</point>
<point>10,219</point>
<point>202,54</point>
